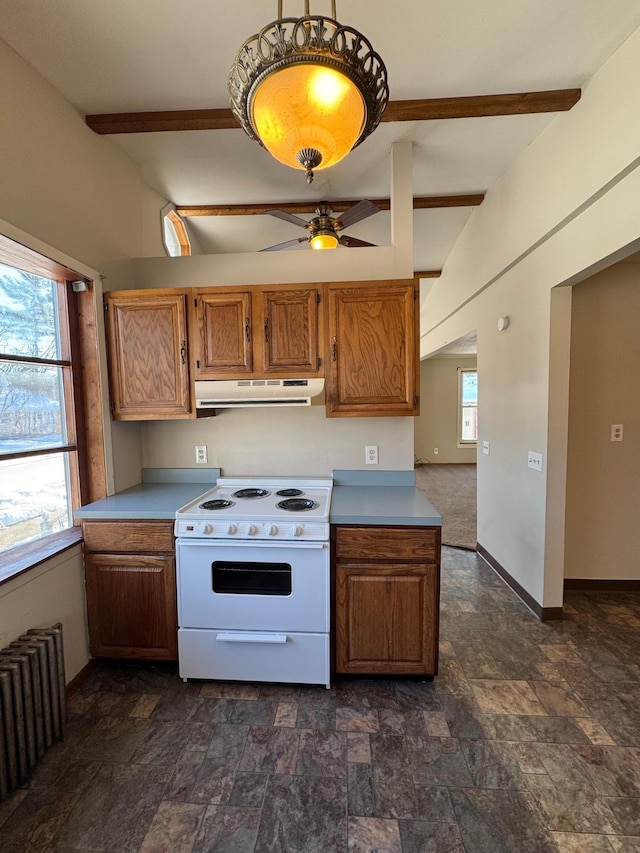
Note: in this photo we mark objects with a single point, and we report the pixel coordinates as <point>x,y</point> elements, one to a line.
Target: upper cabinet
<point>148,354</point>
<point>372,349</point>
<point>256,332</point>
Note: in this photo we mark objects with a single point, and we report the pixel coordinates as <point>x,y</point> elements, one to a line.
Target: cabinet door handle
<point>183,351</point>
<point>266,330</point>
<point>247,329</point>
<point>334,348</point>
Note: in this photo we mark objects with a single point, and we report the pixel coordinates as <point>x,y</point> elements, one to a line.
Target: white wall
<point>603,484</point>
<point>74,197</point>
<point>437,425</point>
<point>569,206</point>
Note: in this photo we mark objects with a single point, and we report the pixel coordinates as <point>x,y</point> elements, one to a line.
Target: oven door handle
<point>248,543</point>
<point>249,637</point>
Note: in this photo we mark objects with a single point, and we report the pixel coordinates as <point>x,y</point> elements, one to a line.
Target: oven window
<point>251,578</point>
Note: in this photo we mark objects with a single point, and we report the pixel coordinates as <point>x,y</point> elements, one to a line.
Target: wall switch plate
<point>371,454</point>
<point>201,454</point>
<point>616,432</point>
<point>534,461</point>
<point>486,448</point>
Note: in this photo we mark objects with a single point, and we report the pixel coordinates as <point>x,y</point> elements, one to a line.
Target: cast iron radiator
<point>32,703</point>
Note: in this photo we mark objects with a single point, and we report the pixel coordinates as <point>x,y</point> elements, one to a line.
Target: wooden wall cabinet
<point>387,591</point>
<point>372,349</point>
<point>131,589</point>
<point>256,332</point>
<point>148,354</point>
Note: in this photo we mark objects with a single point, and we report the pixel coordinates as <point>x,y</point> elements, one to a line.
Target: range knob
<point>249,529</point>
<point>207,528</point>
<point>230,529</point>
<point>296,530</point>
<point>272,529</point>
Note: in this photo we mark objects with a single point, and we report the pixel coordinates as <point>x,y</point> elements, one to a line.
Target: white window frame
<point>461,442</point>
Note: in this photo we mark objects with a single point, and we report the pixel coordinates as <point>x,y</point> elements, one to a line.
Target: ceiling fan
<point>324,228</point>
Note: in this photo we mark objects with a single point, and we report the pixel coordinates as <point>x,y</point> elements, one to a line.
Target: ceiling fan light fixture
<point>324,240</point>
<point>308,84</point>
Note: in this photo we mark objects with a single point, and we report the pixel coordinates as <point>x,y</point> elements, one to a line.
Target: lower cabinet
<point>131,589</point>
<point>387,590</point>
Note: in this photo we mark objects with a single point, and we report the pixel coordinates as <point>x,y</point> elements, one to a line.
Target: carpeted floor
<point>452,491</point>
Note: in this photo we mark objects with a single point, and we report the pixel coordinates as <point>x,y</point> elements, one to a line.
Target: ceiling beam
<point>429,109</point>
<point>297,207</point>
<point>428,274</point>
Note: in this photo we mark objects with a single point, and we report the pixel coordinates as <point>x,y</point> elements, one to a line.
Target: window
<point>174,233</point>
<point>467,407</point>
<point>41,440</point>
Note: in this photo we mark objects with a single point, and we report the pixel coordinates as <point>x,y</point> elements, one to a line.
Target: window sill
<point>19,560</point>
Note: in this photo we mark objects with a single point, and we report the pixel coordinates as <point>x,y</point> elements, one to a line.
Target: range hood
<point>255,393</point>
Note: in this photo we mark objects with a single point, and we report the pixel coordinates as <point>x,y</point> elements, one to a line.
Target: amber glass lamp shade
<point>308,106</point>
<point>324,240</point>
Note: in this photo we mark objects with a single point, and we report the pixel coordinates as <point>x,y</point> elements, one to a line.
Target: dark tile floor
<point>528,740</point>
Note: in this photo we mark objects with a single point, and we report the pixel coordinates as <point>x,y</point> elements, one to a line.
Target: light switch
<point>535,461</point>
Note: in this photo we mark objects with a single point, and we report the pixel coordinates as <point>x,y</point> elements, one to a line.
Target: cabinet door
<point>149,370</point>
<point>223,341</point>
<point>290,331</point>
<point>372,350</point>
<point>131,604</point>
<point>386,618</point>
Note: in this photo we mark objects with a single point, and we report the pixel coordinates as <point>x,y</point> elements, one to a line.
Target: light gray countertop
<point>385,505</point>
<point>162,492</point>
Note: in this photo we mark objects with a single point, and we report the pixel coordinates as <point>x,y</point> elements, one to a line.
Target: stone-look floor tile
<point>358,747</point>
<point>625,814</point>
<point>527,757</point>
<point>492,765</point>
<point>212,710</point>
<point>573,842</point>
<point>280,692</point>
<point>499,822</point>
<point>215,690</point>
<point>561,651</point>
<point>226,829</point>
<point>438,761</point>
<point>241,691</point>
<point>436,723</point>
<point>402,722</point>
<point>412,695</point>
<point>115,810</point>
<point>257,712</point>
<point>506,697</point>
<point>302,813</point>
<point>446,649</point>
<point>286,715</point>
<point>374,835</point>
<point>614,771</point>
<point>145,705</point>
<point>174,828</point>
<point>570,809</point>
<point>216,776</point>
<point>352,720</point>
<point>558,700</point>
<point>595,731</point>
<point>419,836</point>
<point>184,775</point>
<point>271,750</point>
<point>393,788</point>
<point>621,844</point>
<point>360,799</point>
<point>80,703</point>
<point>248,790</point>
<point>316,715</point>
<point>162,743</point>
<point>434,804</point>
<point>114,739</point>
<point>175,706</point>
<point>462,716</point>
<point>36,819</point>
<point>109,704</point>
<point>322,753</point>
<point>564,766</point>
<point>11,804</point>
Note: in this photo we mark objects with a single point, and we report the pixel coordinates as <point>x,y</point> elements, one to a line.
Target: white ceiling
<point>139,55</point>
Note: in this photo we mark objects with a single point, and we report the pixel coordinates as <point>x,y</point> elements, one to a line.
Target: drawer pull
<point>250,637</point>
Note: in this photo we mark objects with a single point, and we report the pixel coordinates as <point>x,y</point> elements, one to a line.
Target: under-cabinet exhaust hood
<point>248,393</point>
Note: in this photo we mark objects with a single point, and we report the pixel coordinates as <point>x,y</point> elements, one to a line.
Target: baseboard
<point>603,585</point>
<point>544,614</point>
<point>78,680</point>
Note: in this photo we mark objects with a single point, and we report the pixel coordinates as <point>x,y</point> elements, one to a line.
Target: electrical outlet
<point>371,454</point>
<point>486,448</point>
<point>616,432</point>
<point>534,461</point>
<point>435,451</point>
<point>201,454</point>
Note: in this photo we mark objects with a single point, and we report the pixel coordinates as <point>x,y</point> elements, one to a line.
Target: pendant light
<point>308,89</point>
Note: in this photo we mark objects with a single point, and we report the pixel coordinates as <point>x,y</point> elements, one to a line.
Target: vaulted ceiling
<point>159,56</point>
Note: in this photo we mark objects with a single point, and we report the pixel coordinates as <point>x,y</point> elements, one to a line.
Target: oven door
<point>254,586</point>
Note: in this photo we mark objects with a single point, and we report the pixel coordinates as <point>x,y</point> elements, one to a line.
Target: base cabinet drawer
<point>254,656</point>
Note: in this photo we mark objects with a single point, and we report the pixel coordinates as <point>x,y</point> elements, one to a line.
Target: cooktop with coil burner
<point>259,508</point>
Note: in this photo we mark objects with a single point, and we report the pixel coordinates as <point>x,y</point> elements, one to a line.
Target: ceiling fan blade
<point>287,244</point>
<point>355,214</point>
<point>353,242</point>
<point>288,217</point>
